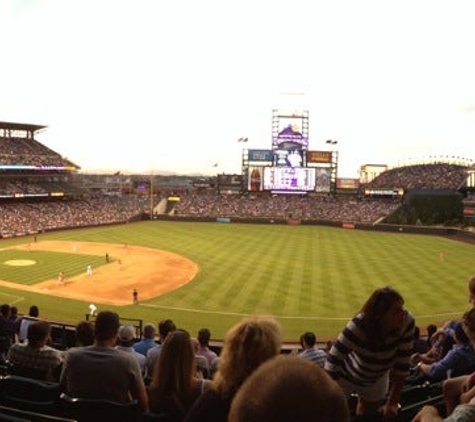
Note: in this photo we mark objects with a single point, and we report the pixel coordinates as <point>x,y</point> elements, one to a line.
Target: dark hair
<point>379,303</point>
<point>203,336</point>
<point>165,327</point>
<point>5,309</point>
<point>471,285</point>
<point>469,324</point>
<point>309,338</point>
<point>34,311</point>
<point>37,332</point>
<point>460,333</point>
<point>85,333</point>
<point>417,332</point>
<point>431,329</point>
<point>107,325</point>
<point>149,331</point>
<point>377,306</point>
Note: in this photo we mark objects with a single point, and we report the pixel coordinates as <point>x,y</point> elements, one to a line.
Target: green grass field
<point>308,277</point>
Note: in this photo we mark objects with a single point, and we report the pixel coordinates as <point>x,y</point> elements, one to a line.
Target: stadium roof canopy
<point>21,126</point>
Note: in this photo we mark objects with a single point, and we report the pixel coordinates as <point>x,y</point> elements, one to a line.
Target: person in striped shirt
<point>371,355</point>
<point>308,341</point>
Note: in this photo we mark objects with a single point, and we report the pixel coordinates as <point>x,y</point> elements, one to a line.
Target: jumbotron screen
<point>289,178</point>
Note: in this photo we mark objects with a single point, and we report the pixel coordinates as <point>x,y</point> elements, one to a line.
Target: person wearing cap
<point>125,341</point>
<point>148,340</point>
<point>459,360</point>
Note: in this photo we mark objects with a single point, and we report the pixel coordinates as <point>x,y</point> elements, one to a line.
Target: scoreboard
<point>289,170</point>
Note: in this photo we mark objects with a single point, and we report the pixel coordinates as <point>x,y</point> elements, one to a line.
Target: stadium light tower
<point>334,163</point>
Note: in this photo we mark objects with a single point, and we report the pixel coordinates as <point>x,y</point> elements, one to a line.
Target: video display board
<point>289,179</point>
<point>319,157</point>
<point>323,179</point>
<point>288,158</point>
<point>254,183</point>
<point>260,156</point>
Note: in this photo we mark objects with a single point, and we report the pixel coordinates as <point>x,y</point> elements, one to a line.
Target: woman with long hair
<point>373,347</point>
<point>175,386</point>
<point>246,346</point>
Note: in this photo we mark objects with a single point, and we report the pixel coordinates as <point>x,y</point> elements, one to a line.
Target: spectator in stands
<point>175,386</point>
<point>12,322</point>
<point>148,340</point>
<point>164,328</point>
<point>23,322</point>
<point>35,358</point>
<point>5,340</point>
<point>287,388</point>
<point>371,355</point>
<point>102,372</point>
<point>308,341</point>
<point>459,392</point>
<point>246,346</point>
<point>431,330</point>
<point>204,336</point>
<point>420,345</point>
<point>460,360</point>
<point>125,341</point>
<point>471,291</point>
<point>84,334</point>
<point>202,365</point>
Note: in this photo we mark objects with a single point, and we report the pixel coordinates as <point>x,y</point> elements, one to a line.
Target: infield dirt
<point>151,272</point>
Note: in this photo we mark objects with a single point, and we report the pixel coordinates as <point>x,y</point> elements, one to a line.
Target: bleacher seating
<point>29,394</point>
<point>11,414</point>
<point>91,410</point>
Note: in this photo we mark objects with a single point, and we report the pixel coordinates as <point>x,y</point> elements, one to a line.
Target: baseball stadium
<point>286,238</point>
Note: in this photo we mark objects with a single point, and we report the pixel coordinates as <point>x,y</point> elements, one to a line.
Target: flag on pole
<point>242,139</point>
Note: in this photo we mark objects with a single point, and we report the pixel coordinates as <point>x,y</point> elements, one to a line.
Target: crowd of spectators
<point>327,207</point>
<point>254,380</point>
<point>25,218</point>
<point>21,151</point>
<point>422,176</point>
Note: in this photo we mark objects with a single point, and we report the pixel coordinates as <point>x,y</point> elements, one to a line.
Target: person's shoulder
<point>17,346</point>
<point>154,350</point>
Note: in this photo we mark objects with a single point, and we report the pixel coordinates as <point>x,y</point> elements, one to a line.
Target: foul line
<point>201,311</point>
<point>18,298</point>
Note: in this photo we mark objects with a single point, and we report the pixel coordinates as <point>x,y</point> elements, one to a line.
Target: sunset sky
<point>150,85</point>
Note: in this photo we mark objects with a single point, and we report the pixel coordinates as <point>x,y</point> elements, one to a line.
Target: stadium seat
<point>96,410</point>
<point>407,413</point>
<point>10,414</point>
<point>156,417</point>
<point>419,393</point>
<point>24,371</point>
<point>29,394</point>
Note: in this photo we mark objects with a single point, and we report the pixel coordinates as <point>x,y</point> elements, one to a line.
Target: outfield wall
<point>460,234</point>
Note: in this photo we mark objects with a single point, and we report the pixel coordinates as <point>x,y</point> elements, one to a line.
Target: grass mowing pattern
<point>47,265</point>
<point>309,277</point>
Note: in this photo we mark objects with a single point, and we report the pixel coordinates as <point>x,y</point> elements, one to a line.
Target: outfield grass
<point>309,277</point>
